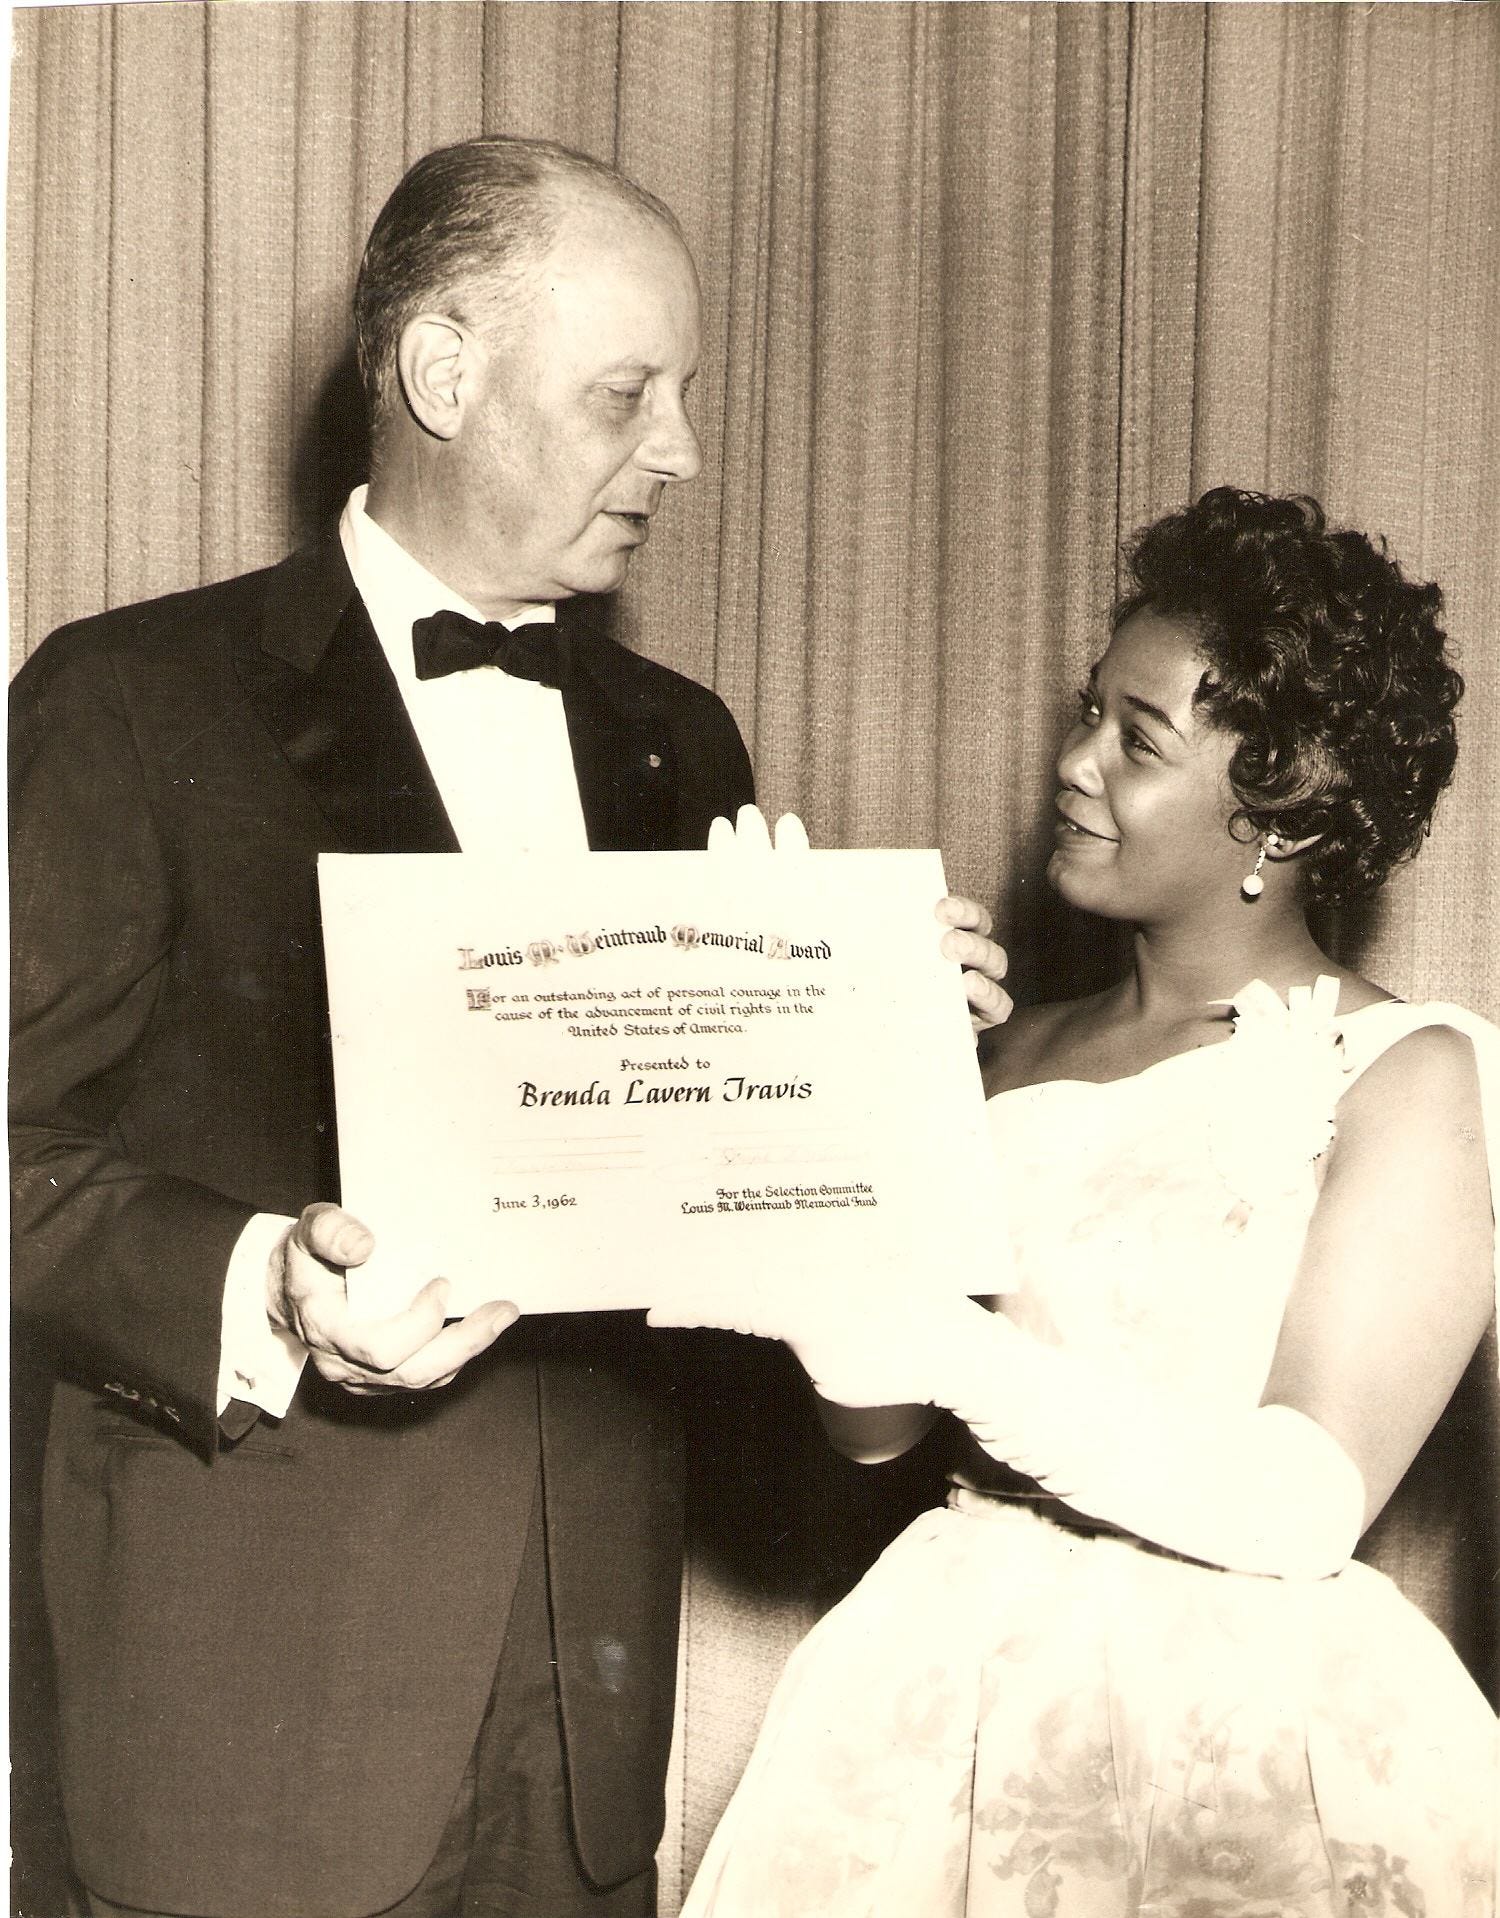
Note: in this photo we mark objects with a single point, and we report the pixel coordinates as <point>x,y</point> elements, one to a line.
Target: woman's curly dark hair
<point>1326,662</point>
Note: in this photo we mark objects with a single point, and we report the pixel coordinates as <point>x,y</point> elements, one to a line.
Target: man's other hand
<point>411,1351</point>
<point>968,941</point>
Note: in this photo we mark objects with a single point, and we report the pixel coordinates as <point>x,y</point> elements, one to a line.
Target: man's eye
<point>1088,706</point>
<point>627,393</point>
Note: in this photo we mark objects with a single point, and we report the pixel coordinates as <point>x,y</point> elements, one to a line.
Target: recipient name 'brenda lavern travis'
<point>680,1092</point>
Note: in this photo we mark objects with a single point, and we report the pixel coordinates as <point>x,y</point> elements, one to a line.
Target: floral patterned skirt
<point>1006,1719</point>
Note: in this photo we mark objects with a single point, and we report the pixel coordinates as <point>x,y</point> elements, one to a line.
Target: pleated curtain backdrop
<point>987,285</point>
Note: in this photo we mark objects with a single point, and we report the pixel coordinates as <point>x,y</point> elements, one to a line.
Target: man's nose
<point>672,449</point>
<point>1078,762</point>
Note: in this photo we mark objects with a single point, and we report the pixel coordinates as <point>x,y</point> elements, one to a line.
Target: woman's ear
<point>437,361</point>
<point>1278,846</point>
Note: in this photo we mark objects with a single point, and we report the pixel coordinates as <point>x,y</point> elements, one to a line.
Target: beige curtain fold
<point>986,286</point>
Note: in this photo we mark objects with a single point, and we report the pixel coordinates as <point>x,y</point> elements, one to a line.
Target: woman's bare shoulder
<point>1432,1069</point>
<point>1416,1101</point>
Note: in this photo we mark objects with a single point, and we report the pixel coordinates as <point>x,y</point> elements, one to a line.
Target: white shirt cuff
<point>258,1362</point>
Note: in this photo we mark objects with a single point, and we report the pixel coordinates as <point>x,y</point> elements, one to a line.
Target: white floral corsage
<point>1284,1078</point>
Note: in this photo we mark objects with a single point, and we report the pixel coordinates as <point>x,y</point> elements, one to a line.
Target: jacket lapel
<point>323,688</point>
<point>322,685</point>
<point>622,749</point>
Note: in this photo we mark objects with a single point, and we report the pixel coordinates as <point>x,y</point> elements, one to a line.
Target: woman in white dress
<point>1245,1249</point>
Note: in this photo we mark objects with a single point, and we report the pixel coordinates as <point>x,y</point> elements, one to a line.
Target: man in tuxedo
<point>333,1641</point>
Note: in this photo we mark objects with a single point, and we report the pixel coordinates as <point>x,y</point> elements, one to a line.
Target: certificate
<point>568,1082</point>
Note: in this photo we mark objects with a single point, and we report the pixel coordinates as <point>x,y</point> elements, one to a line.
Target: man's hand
<point>411,1351</point>
<point>984,962</point>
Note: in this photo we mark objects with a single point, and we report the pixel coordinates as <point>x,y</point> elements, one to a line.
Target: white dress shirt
<point>497,748</point>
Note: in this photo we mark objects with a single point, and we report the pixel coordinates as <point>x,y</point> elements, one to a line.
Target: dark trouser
<point>507,1851</point>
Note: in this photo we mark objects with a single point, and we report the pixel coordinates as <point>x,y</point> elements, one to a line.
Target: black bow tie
<point>449,642</point>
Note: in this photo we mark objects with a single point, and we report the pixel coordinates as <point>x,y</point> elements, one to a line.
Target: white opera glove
<point>1264,1490</point>
<point>859,1346</point>
<point>747,836</point>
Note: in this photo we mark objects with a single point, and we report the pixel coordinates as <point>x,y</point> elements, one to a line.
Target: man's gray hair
<point>461,235</point>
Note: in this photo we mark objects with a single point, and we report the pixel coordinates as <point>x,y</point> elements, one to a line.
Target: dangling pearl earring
<point>1252,885</point>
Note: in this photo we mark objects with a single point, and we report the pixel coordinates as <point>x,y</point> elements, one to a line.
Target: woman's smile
<point>1069,830</point>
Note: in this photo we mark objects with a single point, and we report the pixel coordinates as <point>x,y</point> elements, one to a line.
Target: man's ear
<point>438,360</point>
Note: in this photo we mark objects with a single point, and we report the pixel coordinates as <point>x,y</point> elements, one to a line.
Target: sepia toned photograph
<point>754,806</point>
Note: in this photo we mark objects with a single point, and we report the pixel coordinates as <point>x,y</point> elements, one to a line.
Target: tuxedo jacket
<point>275,1644</point>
